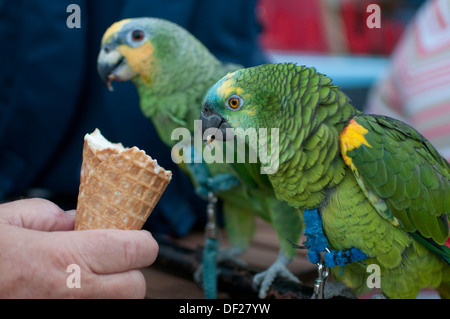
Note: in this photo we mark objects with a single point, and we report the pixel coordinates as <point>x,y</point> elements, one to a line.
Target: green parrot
<point>380,186</point>
<point>172,71</point>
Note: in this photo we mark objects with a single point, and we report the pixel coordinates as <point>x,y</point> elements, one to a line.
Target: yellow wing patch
<point>113,29</point>
<point>351,137</point>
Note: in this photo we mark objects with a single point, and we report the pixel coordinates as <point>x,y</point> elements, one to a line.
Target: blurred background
<point>333,36</point>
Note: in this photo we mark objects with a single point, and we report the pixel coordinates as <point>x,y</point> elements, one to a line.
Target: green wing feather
<point>409,181</point>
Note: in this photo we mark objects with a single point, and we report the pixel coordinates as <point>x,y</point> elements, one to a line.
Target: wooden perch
<point>234,280</point>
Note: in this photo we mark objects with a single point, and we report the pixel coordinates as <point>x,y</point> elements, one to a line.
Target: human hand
<point>37,245</point>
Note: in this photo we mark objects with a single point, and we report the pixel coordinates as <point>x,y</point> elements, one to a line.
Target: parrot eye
<point>137,35</point>
<point>234,102</point>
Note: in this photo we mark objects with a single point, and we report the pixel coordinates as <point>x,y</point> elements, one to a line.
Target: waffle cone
<point>119,187</point>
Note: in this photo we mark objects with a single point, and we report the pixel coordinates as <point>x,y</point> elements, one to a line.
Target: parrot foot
<point>264,280</point>
<point>198,275</point>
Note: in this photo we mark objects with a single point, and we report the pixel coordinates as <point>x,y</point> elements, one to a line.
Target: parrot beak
<point>214,126</point>
<point>112,65</point>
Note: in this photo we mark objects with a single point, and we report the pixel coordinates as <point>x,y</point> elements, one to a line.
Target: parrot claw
<point>264,280</point>
<point>223,255</point>
<point>198,275</point>
<point>379,296</point>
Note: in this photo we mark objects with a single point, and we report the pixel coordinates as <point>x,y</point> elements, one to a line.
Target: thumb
<point>37,214</point>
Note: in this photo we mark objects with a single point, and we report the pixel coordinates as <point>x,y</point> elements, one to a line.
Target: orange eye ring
<point>234,102</point>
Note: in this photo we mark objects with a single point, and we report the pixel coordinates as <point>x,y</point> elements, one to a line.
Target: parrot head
<point>247,98</point>
<point>139,49</point>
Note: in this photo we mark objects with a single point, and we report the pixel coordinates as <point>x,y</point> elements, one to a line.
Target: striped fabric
<point>417,86</point>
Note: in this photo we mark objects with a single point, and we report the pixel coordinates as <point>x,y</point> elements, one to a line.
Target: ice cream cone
<point>119,187</point>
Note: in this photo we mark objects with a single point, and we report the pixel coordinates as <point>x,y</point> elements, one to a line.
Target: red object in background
<point>292,25</point>
<point>299,26</point>
<point>361,38</point>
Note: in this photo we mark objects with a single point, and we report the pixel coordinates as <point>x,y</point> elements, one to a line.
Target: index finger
<point>37,214</point>
<point>107,251</point>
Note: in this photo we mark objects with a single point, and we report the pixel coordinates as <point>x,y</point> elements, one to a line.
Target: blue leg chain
<point>317,243</point>
<point>210,251</point>
<point>207,188</point>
